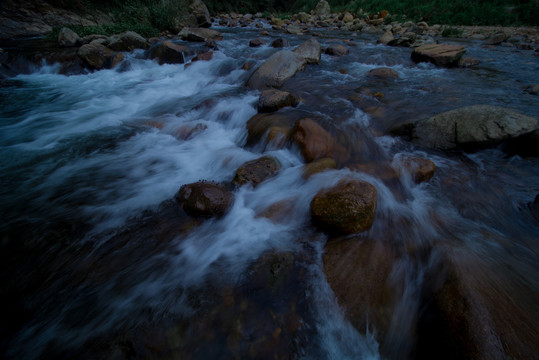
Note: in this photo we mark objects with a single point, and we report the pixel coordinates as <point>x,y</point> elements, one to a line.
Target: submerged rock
<point>470,126</point>
<point>256,171</point>
<point>68,38</point>
<point>272,100</point>
<point>204,199</point>
<point>278,68</point>
<point>99,57</point>
<point>470,312</point>
<point>316,143</point>
<point>359,273</point>
<point>347,208</point>
<point>318,166</point>
<point>439,54</point>
<point>260,125</point>
<point>383,73</point>
<point>421,170</point>
<point>310,51</point>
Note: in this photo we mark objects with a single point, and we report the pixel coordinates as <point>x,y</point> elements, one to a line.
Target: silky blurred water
<point>94,248</point>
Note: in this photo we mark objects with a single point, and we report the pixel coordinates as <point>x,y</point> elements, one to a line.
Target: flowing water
<point>98,261</point>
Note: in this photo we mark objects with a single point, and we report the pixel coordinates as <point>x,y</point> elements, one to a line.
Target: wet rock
<point>279,43</point>
<point>383,73</point>
<point>525,145</point>
<point>322,8</point>
<point>310,51</point>
<point>91,38</point>
<point>205,56</point>
<point>259,125</point>
<point>68,38</point>
<point>471,311</point>
<point>201,13</point>
<point>248,65</point>
<point>532,89</point>
<point>278,137</point>
<point>186,132</point>
<point>347,17</point>
<point>421,170</point>
<point>279,212</point>
<point>200,34</point>
<point>386,38</point>
<point>272,100</point>
<point>337,50</point>
<point>168,52</point>
<point>496,39</point>
<point>405,40</point>
<point>99,57</point>
<point>347,208</point>
<point>204,199</point>
<point>256,171</point>
<point>294,30</point>
<point>256,42</point>
<point>277,22</point>
<point>468,62</point>
<point>304,17</point>
<point>127,41</point>
<point>316,143</point>
<point>471,126</point>
<point>358,271</point>
<point>278,68</point>
<point>318,166</point>
<point>439,54</point>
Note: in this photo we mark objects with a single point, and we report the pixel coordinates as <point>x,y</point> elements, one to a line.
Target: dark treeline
<point>450,12</point>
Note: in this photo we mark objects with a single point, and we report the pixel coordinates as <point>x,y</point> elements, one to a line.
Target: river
<point>98,261</point>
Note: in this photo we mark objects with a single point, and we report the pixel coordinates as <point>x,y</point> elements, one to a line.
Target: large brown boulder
<point>200,34</point>
<point>347,208</point>
<point>471,126</point>
<point>68,38</point>
<point>439,54</point>
<point>204,199</point>
<point>358,271</point>
<point>315,142</point>
<point>272,100</point>
<point>256,171</point>
<point>278,68</point>
<point>259,125</point>
<point>310,51</point>
<point>472,310</point>
<point>322,8</point>
<point>200,12</point>
<point>127,41</point>
<point>168,52</point>
<point>98,57</point>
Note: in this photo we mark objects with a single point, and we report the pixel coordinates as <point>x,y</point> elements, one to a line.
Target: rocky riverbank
<point>409,234</point>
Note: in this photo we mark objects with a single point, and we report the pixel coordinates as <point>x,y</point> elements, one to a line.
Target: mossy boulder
<point>347,208</point>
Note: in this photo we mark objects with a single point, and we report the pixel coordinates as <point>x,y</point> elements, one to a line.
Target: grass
<point>447,12</point>
<point>146,17</point>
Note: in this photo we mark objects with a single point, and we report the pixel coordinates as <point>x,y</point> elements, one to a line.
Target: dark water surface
<point>98,261</point>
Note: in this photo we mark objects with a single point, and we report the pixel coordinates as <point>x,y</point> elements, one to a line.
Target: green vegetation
<point>146,17</point>
<point>449,12</point>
